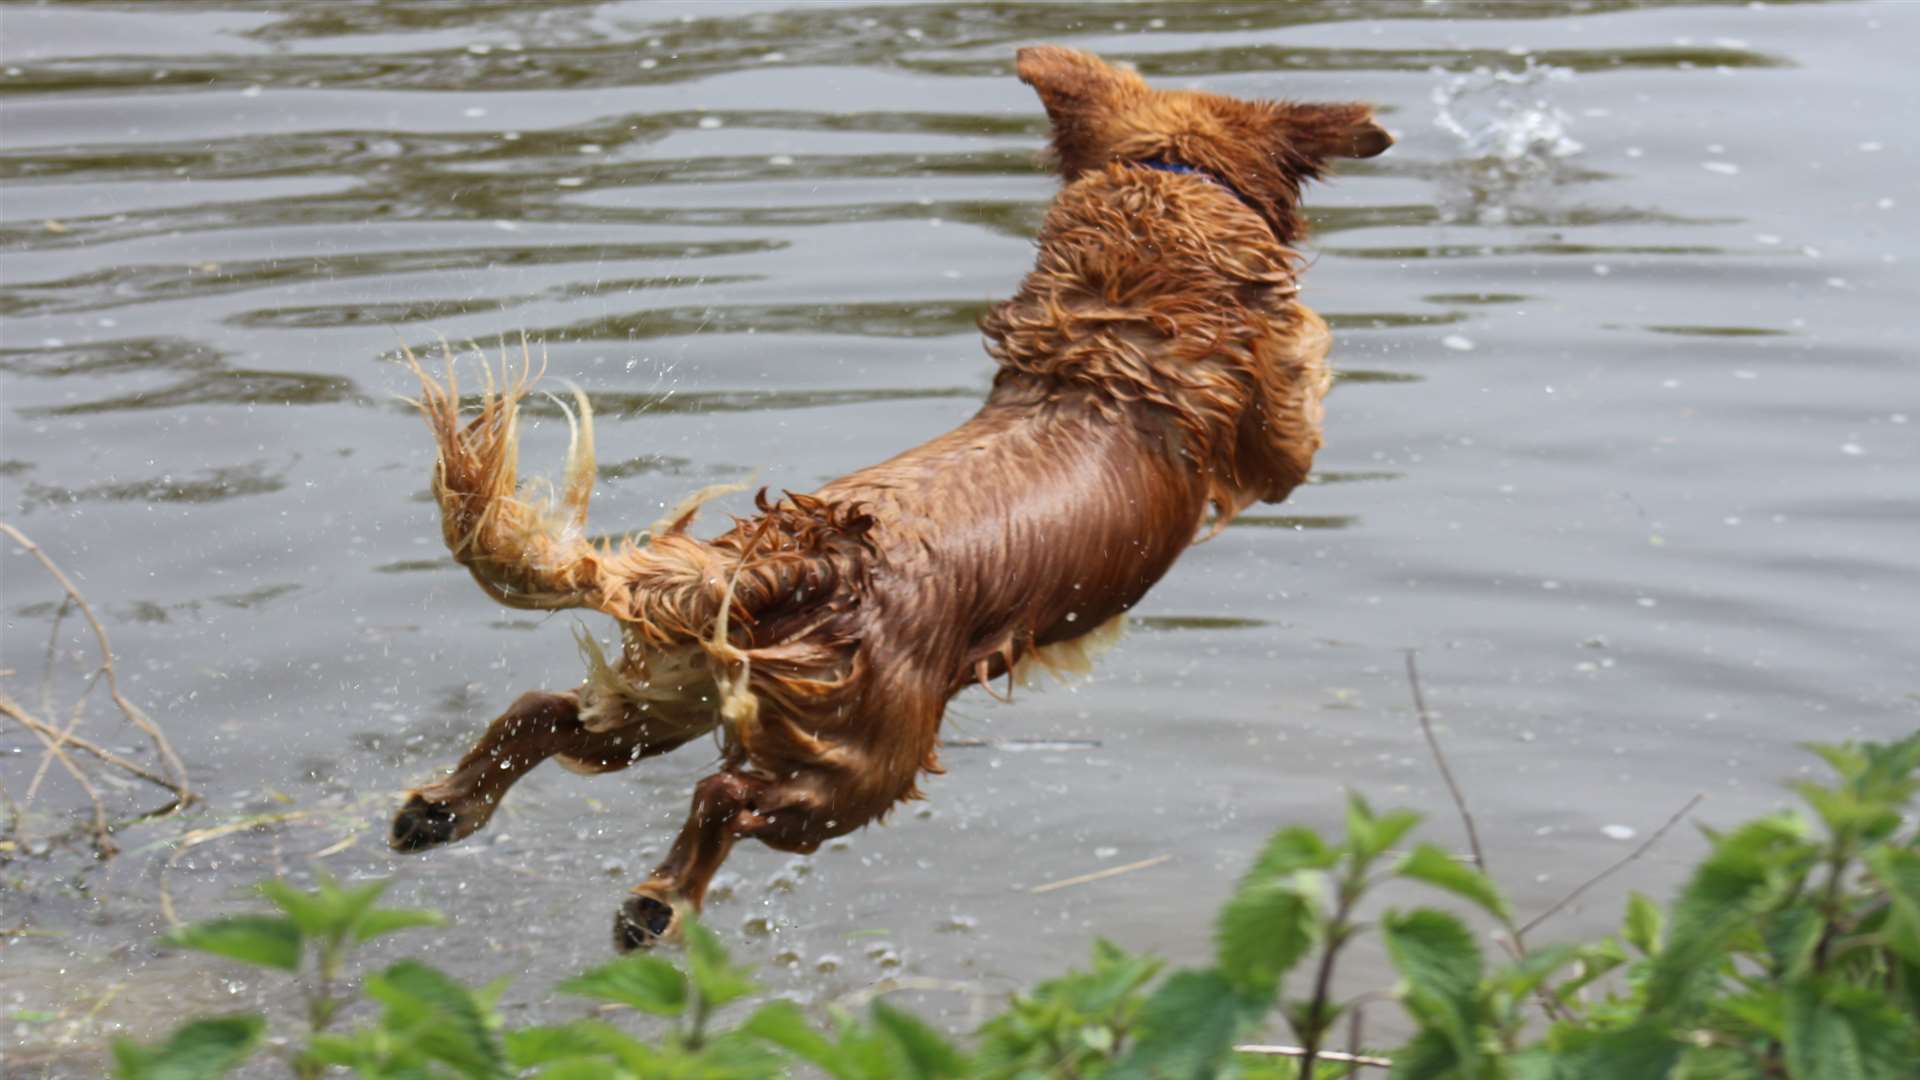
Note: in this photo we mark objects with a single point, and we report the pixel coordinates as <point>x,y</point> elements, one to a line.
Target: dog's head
<point>1263,149</point>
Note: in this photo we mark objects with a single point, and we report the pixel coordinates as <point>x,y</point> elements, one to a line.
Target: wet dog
<point>1157,375</point>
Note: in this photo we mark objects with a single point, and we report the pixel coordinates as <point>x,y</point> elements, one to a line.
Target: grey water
<point>1625,447</point>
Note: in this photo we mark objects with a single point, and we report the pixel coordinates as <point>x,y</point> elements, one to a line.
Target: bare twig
<point>1356,1060</point>
<point>1098,875</point>
<point>1354,1024</point>
<point>102,832</point>
<point>138,719</point>
<point>1596,879</point>
<point>61,737</point>
<point>53,652</point>
<point>1440,759</point>
<point>11,709</point>
<point>1548,1002</point>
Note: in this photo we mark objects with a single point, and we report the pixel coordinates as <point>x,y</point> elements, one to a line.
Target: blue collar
<point>1183,169</point>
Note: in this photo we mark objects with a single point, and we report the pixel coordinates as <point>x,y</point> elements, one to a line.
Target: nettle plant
<point>1792,951</point>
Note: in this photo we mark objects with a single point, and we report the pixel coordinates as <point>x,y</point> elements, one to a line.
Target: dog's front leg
<point>535,727</point>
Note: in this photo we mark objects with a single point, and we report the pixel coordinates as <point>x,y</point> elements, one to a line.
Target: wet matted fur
<point>1157,375</point>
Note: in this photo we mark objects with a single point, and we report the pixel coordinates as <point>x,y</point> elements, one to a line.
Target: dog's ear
<point>1079,90</point>
<point>1320,132</point>
<point>1069,80</point>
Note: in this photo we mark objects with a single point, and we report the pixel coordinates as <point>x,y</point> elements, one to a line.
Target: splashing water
<point>1505,116</point>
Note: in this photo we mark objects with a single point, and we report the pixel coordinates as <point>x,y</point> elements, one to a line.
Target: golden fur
<point>1155,370</point>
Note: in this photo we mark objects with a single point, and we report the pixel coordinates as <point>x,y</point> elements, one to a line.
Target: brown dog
<point>1155,369</point>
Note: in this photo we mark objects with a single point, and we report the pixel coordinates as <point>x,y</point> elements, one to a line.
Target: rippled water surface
<point>1625,446</point>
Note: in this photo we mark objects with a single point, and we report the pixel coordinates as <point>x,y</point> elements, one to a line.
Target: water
<point>1625,446</point>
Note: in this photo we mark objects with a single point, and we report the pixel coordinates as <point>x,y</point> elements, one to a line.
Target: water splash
<point>1506,116</point>
<point>1513,139</point>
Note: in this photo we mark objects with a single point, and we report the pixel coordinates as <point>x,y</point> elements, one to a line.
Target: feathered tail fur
<point>525,545</point>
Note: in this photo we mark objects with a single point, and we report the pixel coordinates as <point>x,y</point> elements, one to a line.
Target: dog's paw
<point>421,824</point>
<point>644,921</point>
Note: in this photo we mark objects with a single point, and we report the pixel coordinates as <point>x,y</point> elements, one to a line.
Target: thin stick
<point>1098,875</point>
<point>61,737</point>
<point>53,650</point>
<point>1356,1060</point>
<point>1440,759</point>
<point>11,709</point>
<point>1548,1002</point>
<point>127,708</point>
<point>1353,1037</point>
<point>102,832</point>
<point>1596,879</point>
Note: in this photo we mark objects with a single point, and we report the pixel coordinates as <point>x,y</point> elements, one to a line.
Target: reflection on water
<point>1623,441</point>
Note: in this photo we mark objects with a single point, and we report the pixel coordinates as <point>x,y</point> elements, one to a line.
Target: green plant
<point>1792,951</point>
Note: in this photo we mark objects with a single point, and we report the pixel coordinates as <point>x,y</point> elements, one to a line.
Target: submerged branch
<point>56,740</point>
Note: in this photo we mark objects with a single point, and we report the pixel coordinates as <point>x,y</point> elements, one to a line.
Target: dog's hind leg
<point>534,728</point>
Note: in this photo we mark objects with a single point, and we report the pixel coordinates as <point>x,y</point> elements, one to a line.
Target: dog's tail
<point>525,545</point>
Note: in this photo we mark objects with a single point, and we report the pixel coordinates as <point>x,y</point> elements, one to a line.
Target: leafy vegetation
<point>1792,951</point>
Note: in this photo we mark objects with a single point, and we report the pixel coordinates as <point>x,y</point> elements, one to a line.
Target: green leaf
<point>1185,1029</point>
<point>712,972</point>
<point>1370,835</point>
<point>1716,1063</point>
<point>1437,868</point>
<point>1899,871</point>
<point>1889,773</point>
<point>637,980</point>
<point>1761,860</point>
<point>1840,1032</point>
<point>583,1069</point>
<point>1526,974</point>
<point>201,1050</point>
<point>1791,935</point>
<point>582,1039</point>
<point>352,905</point>
<point>1847,811</point>
<point>1290,850</point>
<point>308,911</point>
<point>1426,1056</point>
<point>1644,924</point>
<point>382,921</point>
<point>265,940</point>
<point>439,1016</point>
<point>923,1052</point>
<point>784,1025</point>
<point>1848,761</point>
<point>1761,1011</point>
<point>1265,929</point>
<point>1640,1052</point>
<point>1595,960</point>
<point>1436,955</point>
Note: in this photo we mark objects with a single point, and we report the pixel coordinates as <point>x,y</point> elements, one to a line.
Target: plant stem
<point>1314,1028</point>
<point>1830,902</point>
<point>697,1030</point>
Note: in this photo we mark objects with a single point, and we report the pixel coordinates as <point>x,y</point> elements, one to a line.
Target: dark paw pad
<point>421,825</point>
<point>642,923</point>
